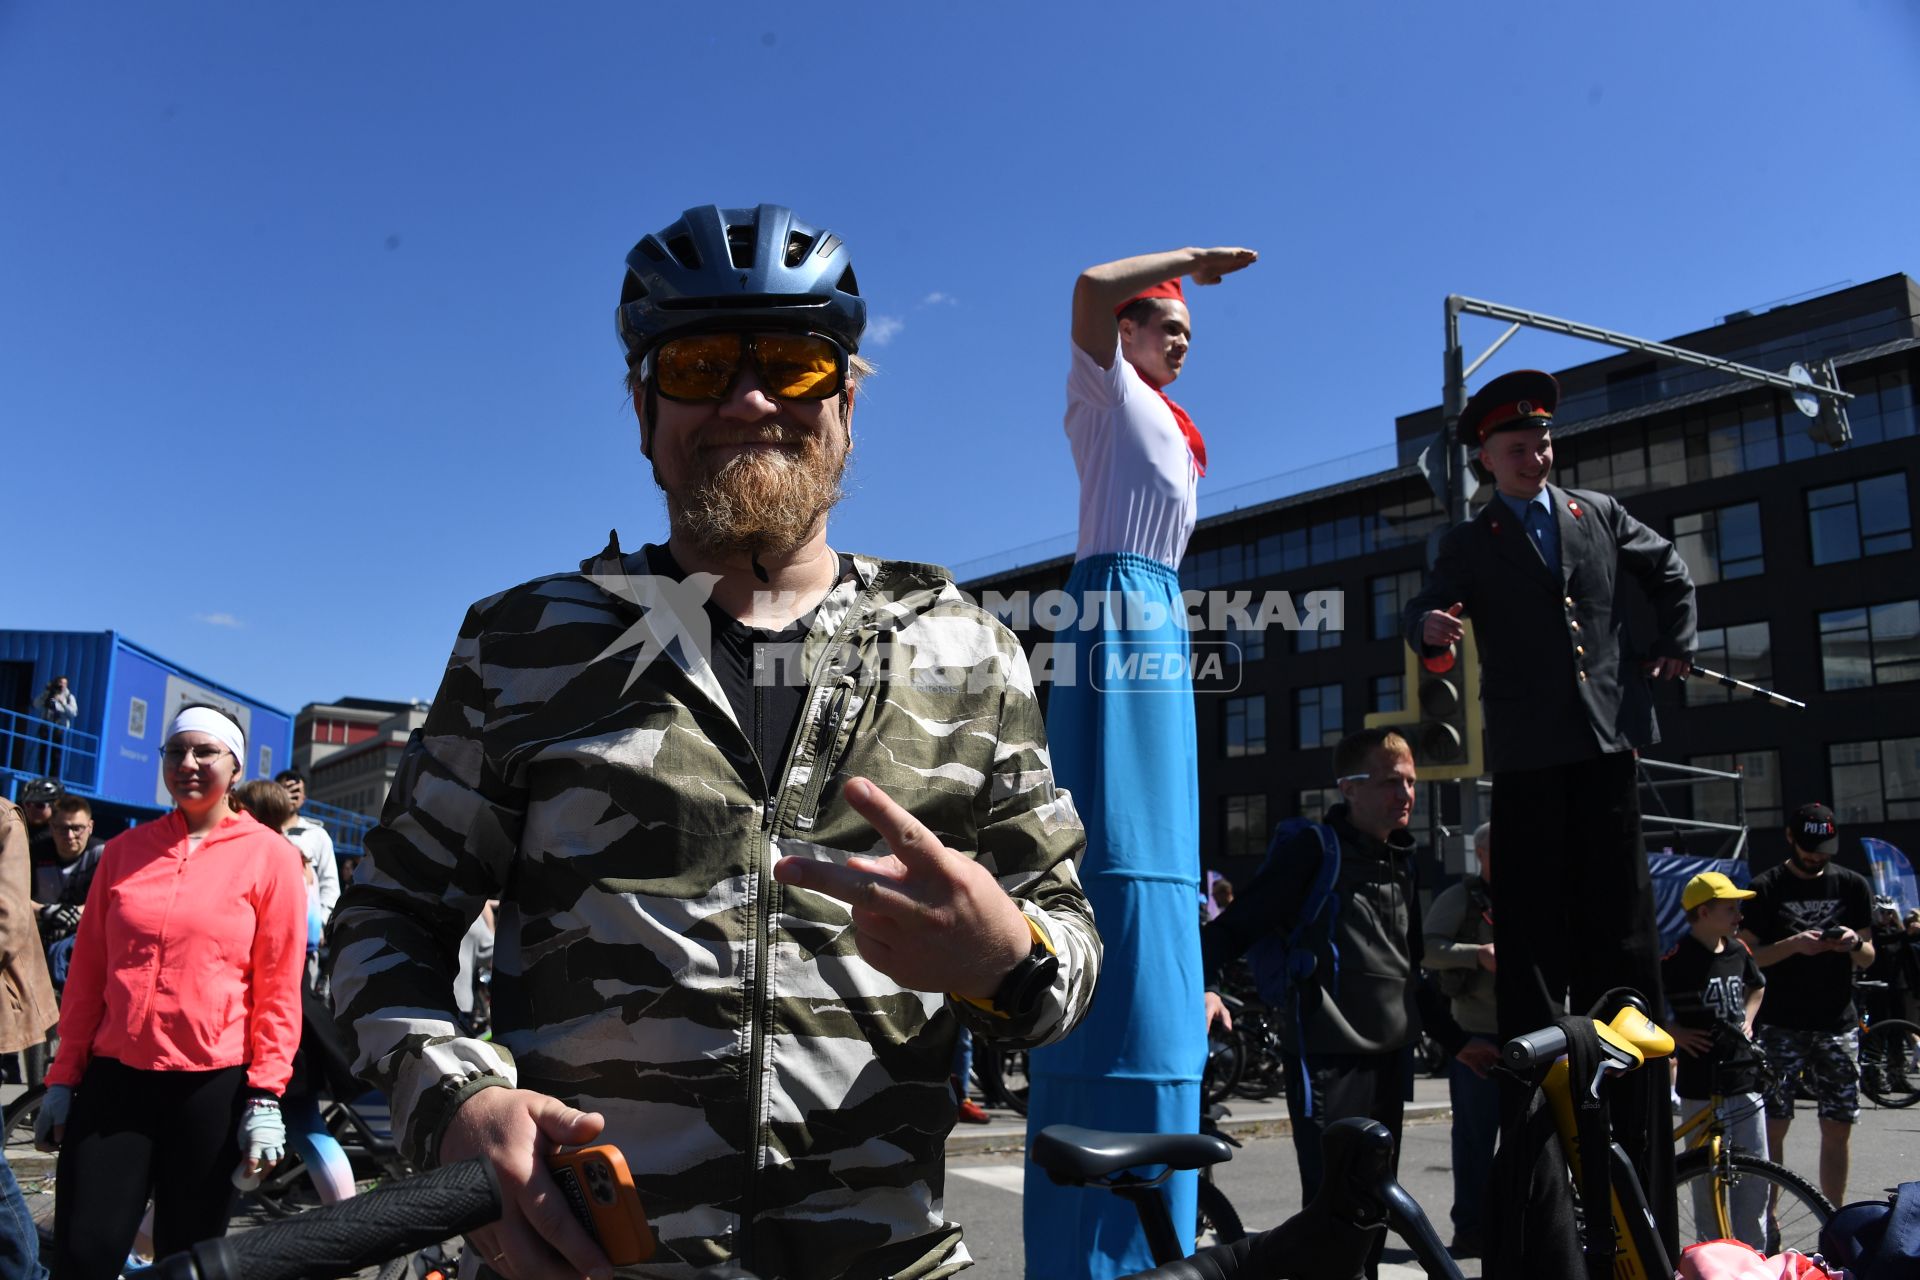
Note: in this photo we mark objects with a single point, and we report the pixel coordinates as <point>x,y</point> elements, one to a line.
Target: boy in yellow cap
<point>1715,988</point>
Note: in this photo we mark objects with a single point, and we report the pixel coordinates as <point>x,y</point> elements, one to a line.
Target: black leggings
<point>172,1135</point>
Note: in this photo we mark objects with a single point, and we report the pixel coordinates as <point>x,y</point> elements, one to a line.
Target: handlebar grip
<point>346,1237</point>
<point>1534,1049</point>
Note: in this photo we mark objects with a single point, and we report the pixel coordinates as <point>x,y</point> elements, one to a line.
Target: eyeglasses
<point>176,756</point>
<point>703,367</point>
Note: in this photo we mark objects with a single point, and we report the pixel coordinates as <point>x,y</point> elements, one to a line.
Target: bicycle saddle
<point>1073,1156</point>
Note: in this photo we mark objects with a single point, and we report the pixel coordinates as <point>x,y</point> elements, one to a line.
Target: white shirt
<point>316,846</point>
<point>1138,484</point>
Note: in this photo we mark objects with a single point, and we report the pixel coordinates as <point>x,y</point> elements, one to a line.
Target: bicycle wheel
<point>32,1169</point>
<point>1795,1208</point>
<point>1226,1056</point>
<point>1218,1224</point>
<point>1261,1070</point>
<point>1013,1080</point>
<point>1890,1062</point>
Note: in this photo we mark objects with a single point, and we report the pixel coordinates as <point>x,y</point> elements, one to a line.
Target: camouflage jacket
<point>777,1100</point>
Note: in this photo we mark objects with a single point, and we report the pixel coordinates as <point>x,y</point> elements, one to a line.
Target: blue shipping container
<point>127,695</point>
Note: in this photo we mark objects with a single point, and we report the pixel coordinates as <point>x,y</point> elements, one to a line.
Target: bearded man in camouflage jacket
<point>768,824</point>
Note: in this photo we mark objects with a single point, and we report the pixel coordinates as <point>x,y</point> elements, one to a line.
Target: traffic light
<point>1442,720</point>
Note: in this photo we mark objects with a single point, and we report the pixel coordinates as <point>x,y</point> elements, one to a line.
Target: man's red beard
<point>761,501</point>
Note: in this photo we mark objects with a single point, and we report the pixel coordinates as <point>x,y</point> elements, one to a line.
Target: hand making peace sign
<point>926,916</point>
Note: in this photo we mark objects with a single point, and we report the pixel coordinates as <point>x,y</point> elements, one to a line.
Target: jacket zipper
<point>826,751</point>
<point>759,988</point>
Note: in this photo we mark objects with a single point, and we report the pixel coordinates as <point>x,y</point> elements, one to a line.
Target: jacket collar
<point>1510,540</point>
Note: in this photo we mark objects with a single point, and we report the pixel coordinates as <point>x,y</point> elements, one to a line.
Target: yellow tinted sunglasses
<point>703,367</point>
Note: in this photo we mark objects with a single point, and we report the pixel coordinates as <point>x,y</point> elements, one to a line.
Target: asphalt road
<point>983,1190</point>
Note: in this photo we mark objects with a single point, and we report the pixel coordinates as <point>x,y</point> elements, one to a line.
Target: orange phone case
<point>600,1191</point>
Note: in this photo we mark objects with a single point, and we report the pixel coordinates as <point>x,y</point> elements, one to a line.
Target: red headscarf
<point>1195,445</point>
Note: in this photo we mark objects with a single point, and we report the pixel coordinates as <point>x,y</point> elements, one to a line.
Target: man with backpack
<point>1460,954</point>
<point>1332,922</point>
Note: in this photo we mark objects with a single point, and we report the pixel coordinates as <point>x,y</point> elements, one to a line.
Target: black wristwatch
<point>1019,992</point>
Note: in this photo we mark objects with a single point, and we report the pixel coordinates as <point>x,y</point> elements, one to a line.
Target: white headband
<point>207,720</point>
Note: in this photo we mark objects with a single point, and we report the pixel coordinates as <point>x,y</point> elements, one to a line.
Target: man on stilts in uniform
<point>1539,573</point>
<point>1127,754</point>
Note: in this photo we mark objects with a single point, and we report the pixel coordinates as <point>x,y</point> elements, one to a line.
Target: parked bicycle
<point>1889,1052</point>
<point>1717,1181</point>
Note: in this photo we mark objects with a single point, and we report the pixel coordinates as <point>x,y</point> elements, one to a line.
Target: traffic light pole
<point>1460,482</point>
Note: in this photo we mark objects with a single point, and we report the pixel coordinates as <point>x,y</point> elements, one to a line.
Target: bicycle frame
<point>1629,1040</point>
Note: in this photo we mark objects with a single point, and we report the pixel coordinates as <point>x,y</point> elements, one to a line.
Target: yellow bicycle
<point>1729,1193</point>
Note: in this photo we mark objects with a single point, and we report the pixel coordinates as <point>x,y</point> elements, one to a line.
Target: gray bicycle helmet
<point>40,791</point>
<point>739,268</point>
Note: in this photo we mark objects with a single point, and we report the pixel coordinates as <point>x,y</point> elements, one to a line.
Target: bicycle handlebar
<point>1331,1238</point>
<point>343,1238</point>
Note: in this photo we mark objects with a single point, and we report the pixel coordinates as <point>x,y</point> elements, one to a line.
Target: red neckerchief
<point>1195,445</point>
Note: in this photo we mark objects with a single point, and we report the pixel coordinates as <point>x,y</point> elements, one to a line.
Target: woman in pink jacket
<point>180,1017</point>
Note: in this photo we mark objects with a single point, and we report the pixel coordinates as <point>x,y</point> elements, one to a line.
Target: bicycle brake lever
<point>1410,1222</point>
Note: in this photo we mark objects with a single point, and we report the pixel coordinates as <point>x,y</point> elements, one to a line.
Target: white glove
<point>263,1141</point>
<point>52,1116</point>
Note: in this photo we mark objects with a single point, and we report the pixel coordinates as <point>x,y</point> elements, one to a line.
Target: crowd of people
<point>170,967</point>
<point>746,921</point>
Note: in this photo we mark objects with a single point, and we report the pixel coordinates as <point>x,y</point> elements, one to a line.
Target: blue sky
<point>306,329</point>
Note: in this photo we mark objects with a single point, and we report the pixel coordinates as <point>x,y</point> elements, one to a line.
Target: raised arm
<point>1100,290</point>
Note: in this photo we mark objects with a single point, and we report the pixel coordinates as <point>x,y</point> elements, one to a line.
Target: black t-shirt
<point>758,670</point>
<point>1809,993</point>
<point>1708,991</point>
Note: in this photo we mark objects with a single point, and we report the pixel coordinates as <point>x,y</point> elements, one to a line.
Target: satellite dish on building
<point>1805,401</point>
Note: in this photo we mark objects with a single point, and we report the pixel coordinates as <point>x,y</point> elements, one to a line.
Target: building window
<point>1387,693</point>
<point>1878,644</point>
<point>1860,518</point>
<point>1713,801</point>
<point>1317,716</point>
<point>1721,544</point>
<point>1313,805</point>
<point>1245,724</point>
<point>1245,826</point>
<point>1744,652</point>
<point>1881,409</point>
<point>1875,781</point>
<point>1390,592</point>
<point>1319,629</point>
<point>1251,642</point>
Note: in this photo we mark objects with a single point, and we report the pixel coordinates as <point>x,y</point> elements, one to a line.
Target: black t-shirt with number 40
<point>1708,991</point>
<point>1809,993</point>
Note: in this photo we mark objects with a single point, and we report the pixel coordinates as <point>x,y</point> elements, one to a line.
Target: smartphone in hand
<point>600,1192</point>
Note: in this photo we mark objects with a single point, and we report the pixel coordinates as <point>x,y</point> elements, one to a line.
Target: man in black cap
<point>1810,925</point>
<point>1541,572</point>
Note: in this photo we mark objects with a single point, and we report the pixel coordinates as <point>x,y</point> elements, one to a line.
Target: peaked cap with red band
<point>1523,398</point>
<point>1165,289</point>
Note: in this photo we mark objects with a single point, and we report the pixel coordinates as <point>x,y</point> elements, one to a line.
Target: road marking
<point>1007,1177</point>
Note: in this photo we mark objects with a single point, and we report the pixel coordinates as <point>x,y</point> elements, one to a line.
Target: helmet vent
<point>797,246</point>
<point>848,284</point>
<point>652,249</point>
<point>740,246</point>
<point>681,247</point>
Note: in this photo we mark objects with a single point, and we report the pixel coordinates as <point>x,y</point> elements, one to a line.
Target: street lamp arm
<point>1571,328</point>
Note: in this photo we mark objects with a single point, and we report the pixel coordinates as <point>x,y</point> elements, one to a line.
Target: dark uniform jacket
<point>1556,678</point>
